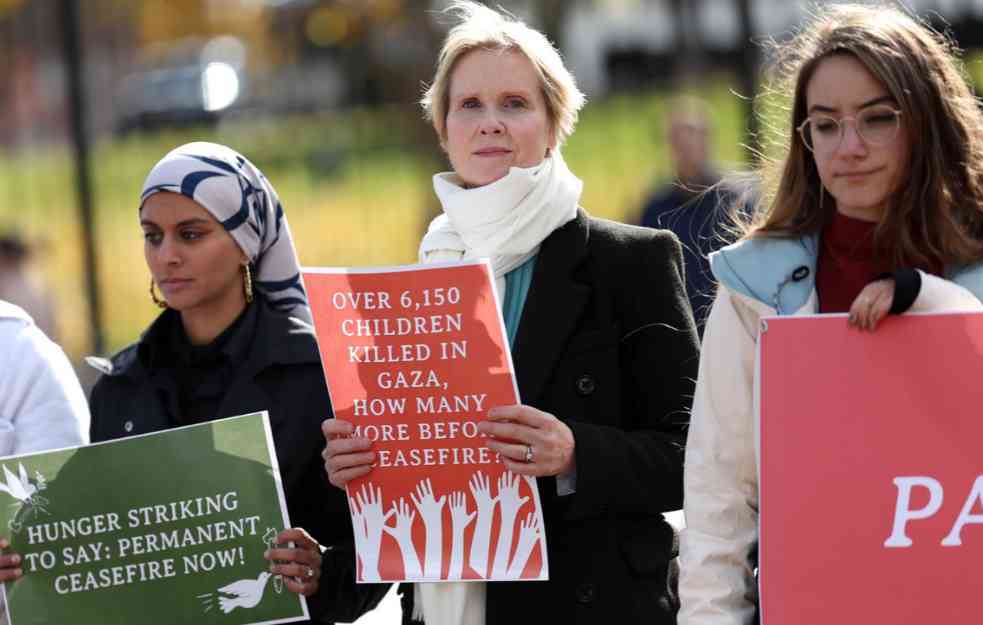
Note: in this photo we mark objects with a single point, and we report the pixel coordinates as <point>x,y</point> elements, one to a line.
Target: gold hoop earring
<point>161,303</point>
<point>247,283</point>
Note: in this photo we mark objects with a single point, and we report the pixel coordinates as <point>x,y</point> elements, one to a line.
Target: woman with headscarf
<point>603,339</point>
<point>234,338</point>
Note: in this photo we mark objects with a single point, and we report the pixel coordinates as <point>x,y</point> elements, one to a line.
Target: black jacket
<point>698,213</point>
<point>281,373</point>
<point>607,344</point>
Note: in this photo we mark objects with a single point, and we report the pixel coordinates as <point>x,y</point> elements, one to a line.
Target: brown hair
<point>935,217</point>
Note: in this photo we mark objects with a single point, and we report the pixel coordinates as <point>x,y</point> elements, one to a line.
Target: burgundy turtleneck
<point>846,262</point>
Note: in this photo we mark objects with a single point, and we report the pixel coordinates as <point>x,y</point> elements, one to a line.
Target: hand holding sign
<point>9,563</point>
<point>872,304</point>
<point>530,441</point>
<point>299,565</point>
<point>345,459</point>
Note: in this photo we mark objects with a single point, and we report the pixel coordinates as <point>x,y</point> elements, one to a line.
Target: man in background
<point>693,205</point>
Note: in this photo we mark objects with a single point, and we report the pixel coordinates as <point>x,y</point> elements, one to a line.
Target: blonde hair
<point>934,218</point>
<point>481,28</point>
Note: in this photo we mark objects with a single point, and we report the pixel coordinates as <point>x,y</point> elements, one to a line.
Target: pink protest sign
<point>871,488</point>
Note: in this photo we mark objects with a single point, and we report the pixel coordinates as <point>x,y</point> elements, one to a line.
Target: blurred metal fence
<point>322,95</point>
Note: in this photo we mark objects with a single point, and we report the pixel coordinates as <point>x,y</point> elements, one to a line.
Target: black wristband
<point>907,286</point>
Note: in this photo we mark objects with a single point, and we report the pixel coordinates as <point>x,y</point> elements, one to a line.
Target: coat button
<point>585,593</point>
<point>586,385</point>
<point>128,426</point>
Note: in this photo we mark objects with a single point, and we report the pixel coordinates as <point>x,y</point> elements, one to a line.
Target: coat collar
<point>166,343</point>
<point>278,339</point>
<point>780,273</point>
<point>553,307</point>
<point>969,277</point>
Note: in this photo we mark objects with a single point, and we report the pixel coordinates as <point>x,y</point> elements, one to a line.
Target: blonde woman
<point>602,336</point>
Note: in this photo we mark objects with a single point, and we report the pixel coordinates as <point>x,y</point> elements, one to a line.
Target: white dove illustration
<point>246,593</point>
<point>19,488</point>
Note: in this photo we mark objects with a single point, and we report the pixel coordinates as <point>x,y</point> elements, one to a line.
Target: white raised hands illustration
<point>528,538</point>
<point>430,511</point>
<point>460,519</point>
<point>403,533</point>
<point>480,486</point>
<point>369,521</point>
<point>245,593</point>
<point>509,503</point>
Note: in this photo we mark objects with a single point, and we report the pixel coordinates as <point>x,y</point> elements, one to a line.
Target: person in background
<point>874,209</point>
<point>694,204</point>
<point>42,405</point>
<point>19,286</point>
<point>235,337</point>
<point>602,337</point>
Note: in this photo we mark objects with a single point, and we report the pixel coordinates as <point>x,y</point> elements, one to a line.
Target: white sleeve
<point>941,295</point>
<point>42,405</point>
<point>717,584</point>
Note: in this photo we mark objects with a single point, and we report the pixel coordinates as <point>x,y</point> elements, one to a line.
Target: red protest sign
<point>415,356</point>
<point>870,487</point>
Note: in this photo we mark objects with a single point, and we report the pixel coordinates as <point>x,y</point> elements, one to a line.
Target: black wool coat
<point>606,343</point>
<point>282,374</point>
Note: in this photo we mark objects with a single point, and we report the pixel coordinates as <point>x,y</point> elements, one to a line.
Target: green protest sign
<point>163,528</point>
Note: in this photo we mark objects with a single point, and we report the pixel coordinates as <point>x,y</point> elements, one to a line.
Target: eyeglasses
<point>877,125</point>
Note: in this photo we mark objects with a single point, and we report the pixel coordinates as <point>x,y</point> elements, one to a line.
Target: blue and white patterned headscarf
<point>240,197</point>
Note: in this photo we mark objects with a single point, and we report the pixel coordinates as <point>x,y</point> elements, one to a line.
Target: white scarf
<point>505,221</point>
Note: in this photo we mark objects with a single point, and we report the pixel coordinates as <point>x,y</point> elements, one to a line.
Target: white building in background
<point>596,29</point>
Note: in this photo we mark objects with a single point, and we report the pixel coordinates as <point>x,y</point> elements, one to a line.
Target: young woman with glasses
<point>873,208</point>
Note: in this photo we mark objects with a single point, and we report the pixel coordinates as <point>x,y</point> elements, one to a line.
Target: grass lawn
<point>355,188</point>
